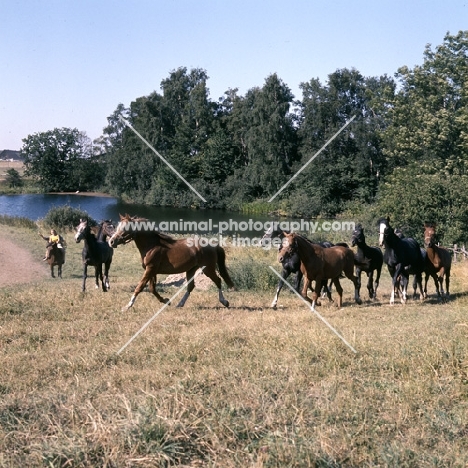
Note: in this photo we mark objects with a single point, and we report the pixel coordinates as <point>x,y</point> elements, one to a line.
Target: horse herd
<point>322,263</point>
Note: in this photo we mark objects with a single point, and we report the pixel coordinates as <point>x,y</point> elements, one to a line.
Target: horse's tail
<point>222,266</point>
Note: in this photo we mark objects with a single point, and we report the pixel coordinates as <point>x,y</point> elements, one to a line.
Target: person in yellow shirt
<point>54,238</point>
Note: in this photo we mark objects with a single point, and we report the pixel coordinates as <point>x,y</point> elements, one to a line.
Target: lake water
<point>36,206</point>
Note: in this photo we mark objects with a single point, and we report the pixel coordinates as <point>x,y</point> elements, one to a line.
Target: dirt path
<point>18,265</point>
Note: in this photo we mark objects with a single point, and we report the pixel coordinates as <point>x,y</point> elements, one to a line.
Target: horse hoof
<point>358,301</point>
<point>226,304</point>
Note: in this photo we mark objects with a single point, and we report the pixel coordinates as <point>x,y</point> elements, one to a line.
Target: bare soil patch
<point>18,264</point>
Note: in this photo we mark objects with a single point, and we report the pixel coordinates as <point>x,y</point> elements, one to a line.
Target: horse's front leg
<point>316,292</point>
<point>370,284</point>
<point>358,280</point>
<point>305,289</point>
<point>191,286</point>
<point>377,281</point>
<point>284,275</point>
<point>404,280</point>
<point>85,275</point>
<point>140,286</point>
<point>52,271</point>
<point>97,273</point>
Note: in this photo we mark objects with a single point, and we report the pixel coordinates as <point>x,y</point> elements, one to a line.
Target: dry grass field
<point>246,386</point>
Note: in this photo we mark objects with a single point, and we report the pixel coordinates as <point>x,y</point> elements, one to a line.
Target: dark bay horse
<point>403,257</point>
<point>56,258</point>
<point>95,253</point>
<point>438,263</point>
<point>318,264</point>
<point>163,254</point>
<point>367,259</point>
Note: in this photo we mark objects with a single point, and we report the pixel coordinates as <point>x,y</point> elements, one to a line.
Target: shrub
<point>250,273</point>
<point>65,217</point>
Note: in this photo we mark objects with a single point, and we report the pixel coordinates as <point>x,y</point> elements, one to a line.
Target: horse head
<point>287,248</point>
<point>272,233</point>
<point>385,231</point>
<point>358,236</point>
<point>429,235</point>
<point>124,231</point>
<point>106,230</point>
<point>81,230</point>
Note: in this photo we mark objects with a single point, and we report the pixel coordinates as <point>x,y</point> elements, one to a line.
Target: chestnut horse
<point>318,264</point>
<point>56,257</point>
<point>163,254</point>
<point>439,261</point>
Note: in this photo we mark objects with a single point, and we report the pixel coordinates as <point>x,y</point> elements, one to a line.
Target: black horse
<point>367,259</point>
<point>292,264</point>
<point>403,258</point>
<point>95,253</point>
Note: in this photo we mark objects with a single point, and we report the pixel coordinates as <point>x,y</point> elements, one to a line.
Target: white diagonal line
<point>311,159</point>
<point>159,311</point>
<point>313,310</point>
<point>161,157</point>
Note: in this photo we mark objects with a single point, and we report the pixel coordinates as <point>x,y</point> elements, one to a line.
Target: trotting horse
<point>367,259</point>
<point>163,254</point>
<point>403,257</point>
<point>95,253</point>
<point>290,264</point>
<point>318,264</point>
<point>439,262</point>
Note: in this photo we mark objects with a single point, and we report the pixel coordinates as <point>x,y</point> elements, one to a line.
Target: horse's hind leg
<point>447,282</point>
<point>52,271</point>
<point>339,290</point>
<point>190,286</point>
<point>211,273</point>
<point>349,273</point>
<point>152,288</point>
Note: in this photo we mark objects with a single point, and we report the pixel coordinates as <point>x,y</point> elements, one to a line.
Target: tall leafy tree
<point>262,127</point>
<point>429,113</point>
<point>349,168</point>
<point>426,142</point>
<point>52,157</point>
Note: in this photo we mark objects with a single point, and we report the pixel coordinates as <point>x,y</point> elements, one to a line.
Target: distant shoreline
<point>85,194</point>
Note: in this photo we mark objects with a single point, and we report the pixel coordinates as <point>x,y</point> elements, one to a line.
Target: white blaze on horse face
<point>381,235</point>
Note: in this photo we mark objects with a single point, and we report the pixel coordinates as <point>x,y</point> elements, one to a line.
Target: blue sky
<point>70,63</point>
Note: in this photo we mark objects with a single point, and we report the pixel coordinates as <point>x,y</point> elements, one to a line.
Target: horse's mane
<point>135,219</point>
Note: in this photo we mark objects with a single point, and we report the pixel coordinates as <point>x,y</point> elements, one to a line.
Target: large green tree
<point>56,159</point>
<point>426,143</point>
<point>348,169</point>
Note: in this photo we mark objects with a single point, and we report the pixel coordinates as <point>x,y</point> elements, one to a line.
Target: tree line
<point>405,154</point>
